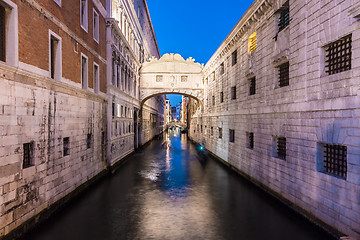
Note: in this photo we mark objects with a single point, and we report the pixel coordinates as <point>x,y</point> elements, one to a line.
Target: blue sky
<point>194,28</point>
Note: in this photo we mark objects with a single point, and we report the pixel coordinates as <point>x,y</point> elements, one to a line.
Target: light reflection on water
<point>168,191</point>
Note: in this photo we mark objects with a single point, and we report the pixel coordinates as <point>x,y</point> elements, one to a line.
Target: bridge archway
<point>171,74</point>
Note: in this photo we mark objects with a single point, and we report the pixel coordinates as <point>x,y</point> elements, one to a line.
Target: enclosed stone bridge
<point>171,74</point>
<point>176,124</point>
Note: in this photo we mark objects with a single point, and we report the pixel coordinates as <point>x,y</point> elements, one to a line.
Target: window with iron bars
<point>284,16</point>
<point>221,97</point>
<point>281,148</point>
<point>28,158</point>
<point>231,135</point>
<point>252,86</point>
<point>284,74</point>
<point>213,100</point>
<point>338,56</point>
<point>335,160</point>
<point>250,140</point>
<point>233,92</point>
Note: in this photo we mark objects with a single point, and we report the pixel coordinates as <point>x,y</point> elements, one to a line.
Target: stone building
<point>65,115</point>
<point>281,106</point>
<point>130,40</point>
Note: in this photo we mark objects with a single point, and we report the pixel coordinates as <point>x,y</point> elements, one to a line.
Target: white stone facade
<point>316,108</point>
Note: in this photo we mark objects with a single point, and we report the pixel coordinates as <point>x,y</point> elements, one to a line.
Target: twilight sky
<point>194,28</point>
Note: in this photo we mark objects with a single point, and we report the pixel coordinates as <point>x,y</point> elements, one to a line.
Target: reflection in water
<point>166,192</point>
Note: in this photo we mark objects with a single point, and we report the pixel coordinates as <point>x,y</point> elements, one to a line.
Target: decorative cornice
<point>172,57</point>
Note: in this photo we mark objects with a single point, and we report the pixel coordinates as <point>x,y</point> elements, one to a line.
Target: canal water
<point>169,191</point>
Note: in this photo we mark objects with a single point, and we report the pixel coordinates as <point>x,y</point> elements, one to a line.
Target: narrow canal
<point>168,191</point>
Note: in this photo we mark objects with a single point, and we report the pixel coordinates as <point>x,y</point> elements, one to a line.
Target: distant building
<point>173,114</point>
<point>178,111</point>
<point>184,109</point>
<point>167,111</point>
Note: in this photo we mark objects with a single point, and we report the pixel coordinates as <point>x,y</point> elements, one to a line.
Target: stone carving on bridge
<point>171,74</point>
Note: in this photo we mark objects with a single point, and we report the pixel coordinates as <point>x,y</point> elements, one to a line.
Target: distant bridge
<point>176,124</point>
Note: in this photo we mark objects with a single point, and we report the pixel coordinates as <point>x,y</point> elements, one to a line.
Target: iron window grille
<point>220,132</point>
<point>281,148</point>
<point>234,57</point>
<point>221,97</point>
<point>284,74</point>
<point>338,56</point>
<point>88,140</point>
<point>66,146</point>
<point>28,158</point>
<point>233,92</point>
<point>284,16</point>
<point>252,86</point>
<point>231,135</point>
<point>159,78</point>
<point>250,140</point>
<point>335,160</point>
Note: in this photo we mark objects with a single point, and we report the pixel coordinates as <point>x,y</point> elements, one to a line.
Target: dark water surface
<point>168,191</point>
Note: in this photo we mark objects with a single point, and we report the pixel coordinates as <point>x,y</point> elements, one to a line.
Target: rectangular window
<point>252,42</point>
<point>96,26</point>
<point>338,56</point>
<point>84,14</point>
<point>159,78</point>
<point>252,86</point>
<point>284,74</point>
<point>220,132</point>
<point>84,71</point>
<point>335,160</point>
<point>231,135</point>
<point>222,68</point>
<point>212,131</point>
<point>201,129</point>
<point>234,58</point>
<point>250,140</point>
<point>281,148</point>
<point>233,92</point>
<point>221,97</point>
<point>113,109</point>
<point>66,146</point>
<point>55,56</point>
<point>213,100</point>
<point>184,78</point>
<point>284,17</point>
<point>2,34</point>
<point>96,78</point>
<point>88,140</point>
<point>29,156</point>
